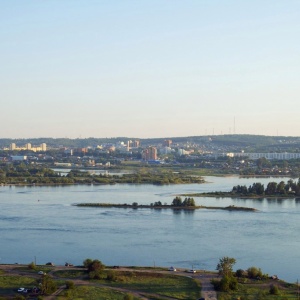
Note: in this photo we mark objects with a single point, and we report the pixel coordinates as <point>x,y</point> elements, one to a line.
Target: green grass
<point>38,268</point>
<point>16,281</point>
<point>10,284</point>
<point>92,293</point>
<point>260,291</point>
<point>161,284</point>
<point>177,287</point>
<point>70,273</point>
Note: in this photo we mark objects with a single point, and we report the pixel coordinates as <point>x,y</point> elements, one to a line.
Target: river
<point>40,223</point>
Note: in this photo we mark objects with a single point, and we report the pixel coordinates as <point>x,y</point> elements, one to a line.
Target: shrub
<point>226,284</point>
<point>111,276</point>
<point>32,266</point>
<point>48,285</point>
<point>274,290</point>
<point>70,284</point>
<point>254,272</point>
<point>239,273</point>
<point>87,262</point>
<point>128,297</point>
<point>94,267</point>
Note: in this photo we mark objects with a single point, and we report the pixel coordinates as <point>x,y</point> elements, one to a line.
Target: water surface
<point>41,223</point>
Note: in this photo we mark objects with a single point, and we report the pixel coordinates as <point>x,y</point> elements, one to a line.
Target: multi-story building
<point>273,155</point>
<point>167,143</point>
<point>136,143</point>
<point>28,146</point>
<point>12,146</point>
<point>150,153</point>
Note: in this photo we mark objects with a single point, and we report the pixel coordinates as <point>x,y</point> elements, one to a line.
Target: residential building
<point>150,153</point>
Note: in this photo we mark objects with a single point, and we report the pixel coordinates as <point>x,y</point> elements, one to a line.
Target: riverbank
<point>117,282</point>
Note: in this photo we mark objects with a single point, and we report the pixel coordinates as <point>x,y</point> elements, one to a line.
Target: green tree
<point>239,273</point>
<point>95,268</point>
<point>177,201</point>
<point>189,202</point>
<point>48,285</point>
<point>225,266</point>
<point>87,262</point>
<point>254,272</point>
<point>281,188</point>
<point>271,188</point>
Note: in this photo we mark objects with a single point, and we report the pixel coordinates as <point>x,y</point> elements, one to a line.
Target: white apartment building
<point>272,155</point>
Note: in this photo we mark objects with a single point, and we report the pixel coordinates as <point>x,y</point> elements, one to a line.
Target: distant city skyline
<point>147,69</point>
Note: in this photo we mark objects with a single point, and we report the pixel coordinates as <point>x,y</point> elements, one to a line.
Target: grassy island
<point>165,206</point>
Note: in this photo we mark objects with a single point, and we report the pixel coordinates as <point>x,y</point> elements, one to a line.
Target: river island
<point>165,206</point>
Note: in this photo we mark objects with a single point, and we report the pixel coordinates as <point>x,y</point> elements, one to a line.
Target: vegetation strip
<point>257,190</point>
<point>110,205</point>
<point>41,175</point>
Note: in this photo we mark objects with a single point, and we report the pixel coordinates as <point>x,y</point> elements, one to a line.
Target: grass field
<point>148,282</point>
<point>261,291</point>
<point>178,287</point>
<point>10,284</point>
<point>92,293</point>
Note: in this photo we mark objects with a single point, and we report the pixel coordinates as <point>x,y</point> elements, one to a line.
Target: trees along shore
<point>34,175</point>
<point>289,189</point>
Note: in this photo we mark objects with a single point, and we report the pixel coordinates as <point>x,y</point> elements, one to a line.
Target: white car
<point>21,290</point>
<point>41,273</point>
<point>191,271</point>
<point>172,269</point>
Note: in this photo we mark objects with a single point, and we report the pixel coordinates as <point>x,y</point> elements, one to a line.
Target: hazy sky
<point>149,68</point>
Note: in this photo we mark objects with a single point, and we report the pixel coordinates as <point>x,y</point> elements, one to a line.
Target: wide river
<point>40,223</point>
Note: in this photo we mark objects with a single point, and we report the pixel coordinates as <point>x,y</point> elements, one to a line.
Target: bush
<point>128,297</point>
<point>226,284</point>
<point>48,285</point>
<point>32,266</point>
<point>239,273</point>
<point>111,276</point>
<point>254,272</point>
<point>70,285</point>
<point>94,267</point>
<point>274,290</point>
<point>87,262</point>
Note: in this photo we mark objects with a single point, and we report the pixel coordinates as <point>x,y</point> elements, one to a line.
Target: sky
<point>149,68</point>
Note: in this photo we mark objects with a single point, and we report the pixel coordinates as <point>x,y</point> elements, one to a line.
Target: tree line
<point>290,187</point>
<point>35,174</point>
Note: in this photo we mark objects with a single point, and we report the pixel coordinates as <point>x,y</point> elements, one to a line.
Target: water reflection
<point>183,211</point>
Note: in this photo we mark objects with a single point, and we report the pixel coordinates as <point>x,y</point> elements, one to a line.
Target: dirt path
<point>208,291</point>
